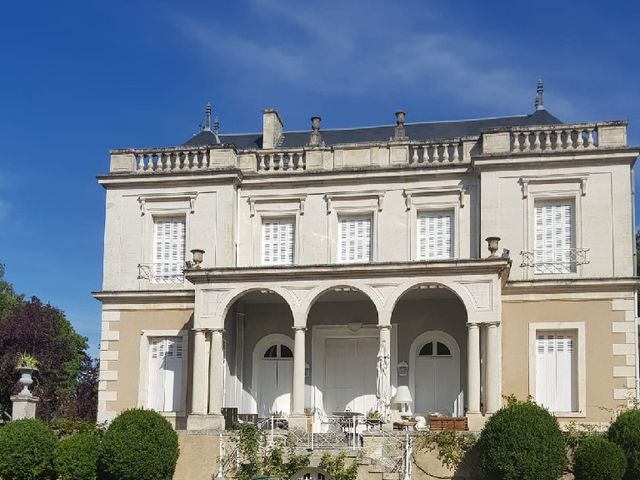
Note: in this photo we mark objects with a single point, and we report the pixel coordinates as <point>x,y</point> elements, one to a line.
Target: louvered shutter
<point>556,371</point>
<point>156,374</point>
<point>435,235</point>
<point>355,239</point>
<point>554,238</point>
<point>165,374</point>
<point>278,240</point>
<point>169,249</point>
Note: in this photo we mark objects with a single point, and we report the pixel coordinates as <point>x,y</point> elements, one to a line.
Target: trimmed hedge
<point>625,432</point>
<point>596,458</point>
<point>138,445</point>
<point>26,450</point>
<point>522,441</point>
<point>76,457</point>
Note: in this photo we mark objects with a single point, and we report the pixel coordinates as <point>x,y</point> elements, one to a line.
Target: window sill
<point>569,414</point>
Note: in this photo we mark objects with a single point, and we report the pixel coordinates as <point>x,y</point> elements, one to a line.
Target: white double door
<point>275,386</point>
<point>437,387</point>
<point>165,373</point>
<point>350,374</point>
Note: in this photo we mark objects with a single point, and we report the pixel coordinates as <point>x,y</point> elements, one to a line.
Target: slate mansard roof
<point>414,131</point>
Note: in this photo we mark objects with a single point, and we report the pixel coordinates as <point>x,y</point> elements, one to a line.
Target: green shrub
<point>138,445</point>
<point>522,441</point>
<point>599,459</point>
<point>26,450</point>
<point>65,427</point>
<point>625,432</point>
<point>76,456</point>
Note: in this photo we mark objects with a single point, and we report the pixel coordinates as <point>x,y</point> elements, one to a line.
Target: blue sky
<point>80,77</point>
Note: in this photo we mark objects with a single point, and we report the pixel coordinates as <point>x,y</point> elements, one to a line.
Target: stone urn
<point>26,379</point>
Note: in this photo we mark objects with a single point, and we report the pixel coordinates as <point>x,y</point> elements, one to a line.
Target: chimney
<point>271,129</point>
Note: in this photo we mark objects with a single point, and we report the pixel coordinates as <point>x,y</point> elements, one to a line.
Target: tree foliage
<point>66,380</point>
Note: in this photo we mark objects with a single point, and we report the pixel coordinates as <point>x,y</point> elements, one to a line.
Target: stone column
<point>473,369</point>
<point>215,372</point>
<point>199,375</point>
<point>493,368</point>
<point>384,370</point>
<point>297,403</point>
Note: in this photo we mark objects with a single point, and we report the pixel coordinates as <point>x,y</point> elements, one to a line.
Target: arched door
<point>437,375</point>
<point>273,373</point>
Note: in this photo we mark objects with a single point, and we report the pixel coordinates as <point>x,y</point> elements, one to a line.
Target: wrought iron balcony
<point>163,272</point>
<point>559,261</point>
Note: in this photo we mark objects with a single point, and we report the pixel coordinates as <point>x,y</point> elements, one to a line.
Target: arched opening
<point>258,354</point>
<point>430,320</point>
<point>344,339</point>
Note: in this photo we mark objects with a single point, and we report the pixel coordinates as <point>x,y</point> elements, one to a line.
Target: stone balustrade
<point>554,139</point>
<point>562,138</point>
<point>511,141</point>
<point>171,159</point>
<point>439,153</point>
<point>281,161</point>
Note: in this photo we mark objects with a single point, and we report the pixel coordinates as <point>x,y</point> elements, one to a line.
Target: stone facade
<point>494,310</point>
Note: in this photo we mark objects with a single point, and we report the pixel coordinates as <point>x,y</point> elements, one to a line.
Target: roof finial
<point>216,125</point>
<point>207,117</point>
<point>539,90</point>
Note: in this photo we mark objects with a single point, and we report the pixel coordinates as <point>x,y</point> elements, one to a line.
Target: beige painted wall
<point>130,326</point>
<point>598,318</point>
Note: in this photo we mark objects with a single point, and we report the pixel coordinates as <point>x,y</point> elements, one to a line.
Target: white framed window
<point>435,235</point>
<point>355,239</point>
<point>554,237</point>
<point>278,241</point>
<point>169,246</point>
<point>557,369</point>
<point>166,367</point>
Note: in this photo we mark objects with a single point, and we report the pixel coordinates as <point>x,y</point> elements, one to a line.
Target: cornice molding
<point>347,271</point>
<point>571,285</point>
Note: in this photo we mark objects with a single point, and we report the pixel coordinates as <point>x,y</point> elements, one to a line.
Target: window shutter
<point>165,374</point>
<point>355,240</point>
<point>169,247</point>
<point>278,240</point>
<point>556,371</point>
<point>435,236</point>
<point>156,374</point>
<point>553,238</point>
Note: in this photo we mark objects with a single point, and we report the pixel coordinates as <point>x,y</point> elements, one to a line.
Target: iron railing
<point>162,272</point>
<point>559,261</point>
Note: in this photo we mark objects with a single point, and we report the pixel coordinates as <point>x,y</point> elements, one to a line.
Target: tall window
<point>165,374</point>
<point>435,235</point>
<point>169,249</point>
<point>355,240</point>
<point>278,240</point>
<point>554,238</point>
<point>556,376</point>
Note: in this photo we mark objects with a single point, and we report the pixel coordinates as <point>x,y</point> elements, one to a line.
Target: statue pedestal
<point>24,406</point>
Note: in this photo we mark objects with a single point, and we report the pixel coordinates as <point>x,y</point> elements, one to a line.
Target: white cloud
<point>341,48</point>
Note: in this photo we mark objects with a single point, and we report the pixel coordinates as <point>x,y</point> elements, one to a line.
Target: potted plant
<point>374,417</point>
<point>26,364</point>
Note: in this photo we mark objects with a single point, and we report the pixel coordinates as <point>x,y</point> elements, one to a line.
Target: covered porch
<point>306,343</point>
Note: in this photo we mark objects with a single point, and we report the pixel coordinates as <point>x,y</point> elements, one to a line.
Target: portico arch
<point>303,313</point>
<point>461,292</point>
<point>227,301</point>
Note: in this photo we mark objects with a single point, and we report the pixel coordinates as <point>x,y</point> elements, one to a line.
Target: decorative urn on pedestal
<point>24,404</point>
<point>26,365</point>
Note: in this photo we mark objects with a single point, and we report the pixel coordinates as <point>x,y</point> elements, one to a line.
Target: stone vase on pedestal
<point>24,404</point>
